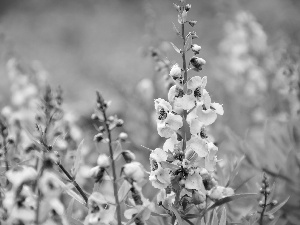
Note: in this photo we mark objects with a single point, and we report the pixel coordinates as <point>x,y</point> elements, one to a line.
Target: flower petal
<point>194,82</point>
<point>195,182</point>
<point>207,117</point>
<point>195,126</point>
<point>218,108</point>
<point>198,145</point>
<point>174,121</point>
<point>186,102</point>
<point>170,142</point>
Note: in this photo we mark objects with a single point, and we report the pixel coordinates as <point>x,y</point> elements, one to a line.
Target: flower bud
<point>192,23</point>
<point>119,123</point>
<point>188,7</point>
<point>134,171</point>
<point>101,129</point>
<point>196,48</point>
<point>94,171</point>
<point>197,62</point>
<point>274,202</point>
<point>123,136</point>
<point>103,161</point>
<point>271,217</point>
<point>98,137</point>
<point>94,116</point>
<point>175,71</point>
<point>129,156</point>
<point>194,35</point>
<point>260,203</point>
<point>198,197</point>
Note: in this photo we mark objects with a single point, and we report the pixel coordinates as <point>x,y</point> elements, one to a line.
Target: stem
<point>113,167</point>
<point>76,185</point>
<point>264,209</point>
<point>184,85</point>
<point>5,154</point>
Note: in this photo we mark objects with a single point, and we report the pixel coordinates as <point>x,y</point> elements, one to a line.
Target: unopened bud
<point>197,62</point>
<point>175,72</point>
<point>98,137</point>
<point>192,23</point>
<point>120,123</point>
<point>194,35</point>
<point>271,217</point>
<point>101,129</point>
<point>123,136</point>
<point>94,116</point>
<point>103,161</point>
<point>261,203</point>
<point>274,202</point>
<point>188,7</point>
<point>268,191</point>
<point>196,48</point>
<point>129,156</point>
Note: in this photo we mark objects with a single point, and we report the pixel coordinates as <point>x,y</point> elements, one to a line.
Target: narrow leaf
<point>223,217</point>
<point>175,48</point>
<point>235,171</point>
<point>231,198</point>
<point>158,214</point>
<point>176,30</point>
<point>124,189</point>
<point>179,220</point>
<point>276,208</point>
<point>214,220</point>
<point>78,160</point>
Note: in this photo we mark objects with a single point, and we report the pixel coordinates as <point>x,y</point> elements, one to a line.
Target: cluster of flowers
<point>184,168</point>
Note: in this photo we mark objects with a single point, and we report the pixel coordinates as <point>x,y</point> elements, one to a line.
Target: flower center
<point>202,133</point>
<point>179,92</point>
<point>154,165</point>
<point>162,114</point>
<point>197,92</point>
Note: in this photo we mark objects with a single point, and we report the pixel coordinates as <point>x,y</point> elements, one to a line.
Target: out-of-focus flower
<point>134,171</point>
<point>103,161</point>
<point>49,184</point>
<point>21,174</point>
<point>219,192</point>
<point>100,211</point>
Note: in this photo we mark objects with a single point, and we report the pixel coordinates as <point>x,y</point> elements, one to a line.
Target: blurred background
<point>252,54</point>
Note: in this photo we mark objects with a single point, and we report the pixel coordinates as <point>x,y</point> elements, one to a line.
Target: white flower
<point>176,75</point>
<point>219,192</point>
<point>167,122</point>
<point>21,174</point>
<point>103,161</point>
<point>134,171</point>
<point>196,48</point>
<point>49,184</point>
<point>198,145</point>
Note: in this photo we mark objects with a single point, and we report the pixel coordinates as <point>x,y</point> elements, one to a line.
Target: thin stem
<point>113,166</point>
<point>264,209</point>
<point>76,185</point>
<point>184,84</point>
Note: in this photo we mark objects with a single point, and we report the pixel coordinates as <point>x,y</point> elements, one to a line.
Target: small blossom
<point>167,122</point>
<point>192,23</point>
<point>123,136</point>
<point>219,192</point>
<point>176,74</point>
<point>188,7</point>
<point>128,155</point>
<point>197,62</point>
<point>49,184</point>
<point>196,48</point>
<point>134,171</point>
<point>103,161</point>
<point>21,174</point>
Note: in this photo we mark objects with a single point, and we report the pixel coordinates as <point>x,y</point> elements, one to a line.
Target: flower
<point>176,75</point>
<point>134,171</point>
<point>167,122</point>
<point>21,174</point>
<point>195,48</point>
<point>198,145</point>
<point>195,88</point>
<point>49,184</point>
<point>99,210</point>
<point>219,192</point>
<point>103,161</point>
<point>159,176</point>
<point>197,63</point>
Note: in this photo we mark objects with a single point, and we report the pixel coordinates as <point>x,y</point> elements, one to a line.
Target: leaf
<point>169,165</point>
<point>223,217</point>
<point>124,189</point>
<point>158,214</point>
<point>214,220</point>
<point>231,198</point>
<point>176,30</point>
<point>276,208</point>
<point>73,194</point>
<point>175,48</point>
<point>74,221</point>
<point>179,220</point>
<point>78,160</point>
<point>69,210</point>
<point>235,171</point>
